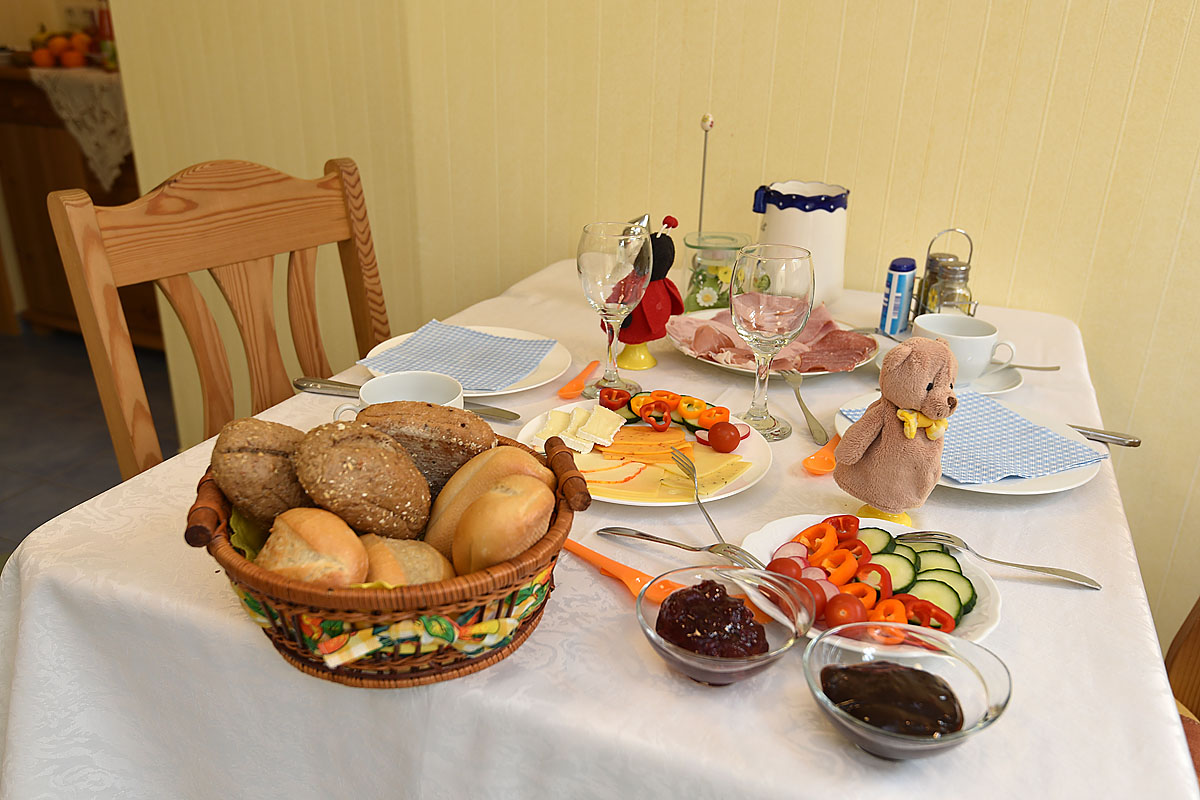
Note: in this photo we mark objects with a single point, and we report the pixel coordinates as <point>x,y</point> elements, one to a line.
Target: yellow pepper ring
<point>691,407</point>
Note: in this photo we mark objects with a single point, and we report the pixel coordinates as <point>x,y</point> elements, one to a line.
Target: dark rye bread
<point>365,477</point>
<point>252,463</point>
<point>440,439</point>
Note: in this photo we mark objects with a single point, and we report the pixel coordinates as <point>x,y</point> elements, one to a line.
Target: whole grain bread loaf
<point>252,464</point>
<point>440,439</point>
<point>365,477</point>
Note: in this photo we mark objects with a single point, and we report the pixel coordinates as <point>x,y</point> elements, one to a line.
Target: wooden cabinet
<point>37,156</point>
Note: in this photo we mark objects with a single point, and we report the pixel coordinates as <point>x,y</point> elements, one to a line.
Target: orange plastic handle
<point>633,579</point>
<point>574,387</point>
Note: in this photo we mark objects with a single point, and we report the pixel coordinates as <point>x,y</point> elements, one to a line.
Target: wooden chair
<point>1183,661</point>
<point>231,218</point>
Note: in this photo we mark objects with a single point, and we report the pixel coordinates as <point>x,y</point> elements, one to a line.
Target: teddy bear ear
<point>899,354</point>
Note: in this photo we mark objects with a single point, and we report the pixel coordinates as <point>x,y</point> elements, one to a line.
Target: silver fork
<point>739,556</point>
<point>794,377</point>
<point>941,537</point>
<point>689,469</point>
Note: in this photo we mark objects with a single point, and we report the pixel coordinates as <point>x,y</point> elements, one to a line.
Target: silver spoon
<point>941,537</point>
<point>737,555</point>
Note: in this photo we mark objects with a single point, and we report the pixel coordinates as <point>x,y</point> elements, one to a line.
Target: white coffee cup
<point>425,387</point>
<point>973,341</point>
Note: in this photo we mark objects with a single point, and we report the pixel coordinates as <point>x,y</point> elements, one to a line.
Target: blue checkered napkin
<point>986,442</point>
<point>479,361</point>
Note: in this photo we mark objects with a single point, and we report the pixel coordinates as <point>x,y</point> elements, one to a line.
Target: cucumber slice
<point>906,551</point>
<point>957,581</point>
<point>626,412</point>
<point>684,422</point>
<point>903,573</point>
<point>940,594</point>
<point>877,540</point>
<point>922,547</point>
<point>931,559</point>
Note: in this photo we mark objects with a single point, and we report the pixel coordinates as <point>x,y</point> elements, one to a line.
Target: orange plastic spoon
<point>633,579</point>
<point>822,462</point>
<point>574,387</point>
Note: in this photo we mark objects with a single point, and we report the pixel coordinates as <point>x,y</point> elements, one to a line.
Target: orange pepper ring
<point>841,565</point>
<point>885,635</point>
<point>863,591</point>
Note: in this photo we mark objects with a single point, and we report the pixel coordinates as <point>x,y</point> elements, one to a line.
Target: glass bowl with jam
<point>722,624</point>
<point>901,691</point>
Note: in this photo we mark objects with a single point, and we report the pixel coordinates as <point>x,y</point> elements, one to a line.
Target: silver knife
<point>1107,437</point>
<point>340,389</point>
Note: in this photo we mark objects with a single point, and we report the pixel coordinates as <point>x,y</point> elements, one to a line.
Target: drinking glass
<point>614,263</point>
<point>770,297</point>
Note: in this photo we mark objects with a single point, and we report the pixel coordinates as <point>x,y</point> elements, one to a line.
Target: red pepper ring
<point>613,399</point>
<point>846,526</point>
<point>927,613</point>
<point>656,414</point>
<point>885,580</point>
<point>858,547</point>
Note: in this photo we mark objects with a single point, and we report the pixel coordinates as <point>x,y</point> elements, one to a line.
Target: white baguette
<point>315,546</point>
<point>505,521</point>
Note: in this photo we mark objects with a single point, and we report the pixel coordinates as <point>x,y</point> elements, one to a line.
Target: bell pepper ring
<point>711,416</point>
<point>820,539</point>
<point>841,565</point>
<point>885,579</point>
<point>882,634</point>
<point>614,399</point>
<point>858,547</point>
<point>670,398</point>
<point>888,610</point>
<point>845,524</point>
<point>656,414</point>
<point>690,407</point>
<point>864,592</point>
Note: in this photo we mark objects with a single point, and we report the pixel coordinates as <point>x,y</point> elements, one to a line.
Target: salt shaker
<point>897,296</point>
<point>951,292</point>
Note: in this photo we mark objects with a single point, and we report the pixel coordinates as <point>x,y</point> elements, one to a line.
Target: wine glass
<point>770,297</point>
<point>614,263</point>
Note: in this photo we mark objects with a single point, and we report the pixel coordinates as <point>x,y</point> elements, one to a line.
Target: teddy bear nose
<point>952,401</point>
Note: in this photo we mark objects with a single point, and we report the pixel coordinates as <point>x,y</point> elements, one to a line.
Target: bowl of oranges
<point>62,50</point>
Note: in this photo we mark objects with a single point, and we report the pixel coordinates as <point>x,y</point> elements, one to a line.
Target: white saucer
<point>998,382</point>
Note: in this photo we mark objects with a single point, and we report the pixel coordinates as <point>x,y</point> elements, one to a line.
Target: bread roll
<point>403,562</point>
<point>316,546</point>
<point>252,464</point>
<point>504,521</point>
<point>440,439</point>
<point>365,477</point>
<point>473,479</point>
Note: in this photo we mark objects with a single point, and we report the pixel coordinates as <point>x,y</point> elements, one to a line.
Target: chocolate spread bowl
<point>750,616</point>
<point>883,658</point>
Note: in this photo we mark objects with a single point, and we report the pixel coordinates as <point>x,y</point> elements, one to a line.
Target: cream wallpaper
<point>1061,133</point>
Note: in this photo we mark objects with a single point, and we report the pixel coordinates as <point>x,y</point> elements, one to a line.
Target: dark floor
<point>54,446</point>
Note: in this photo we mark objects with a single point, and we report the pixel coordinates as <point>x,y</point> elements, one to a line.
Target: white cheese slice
<point>571,437</point>
<point>556,423</point>
<point>601,426</point>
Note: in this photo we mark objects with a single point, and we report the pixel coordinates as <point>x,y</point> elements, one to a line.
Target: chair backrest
<point>1183,661</point>
<point>231,218</point>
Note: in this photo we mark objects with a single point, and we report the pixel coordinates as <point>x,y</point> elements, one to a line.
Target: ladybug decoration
<point>662,300</point>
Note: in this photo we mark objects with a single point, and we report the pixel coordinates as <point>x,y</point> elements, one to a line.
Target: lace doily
<point>92,106</point>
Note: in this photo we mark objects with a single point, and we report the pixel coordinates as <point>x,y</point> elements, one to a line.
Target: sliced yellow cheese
<point>676,487</point>
<point>706,460</point>
<point>636,434</point>
<point>644,488</point>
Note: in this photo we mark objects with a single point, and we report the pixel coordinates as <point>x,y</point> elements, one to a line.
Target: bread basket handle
<point>208,515</point>
<point>571,483</point>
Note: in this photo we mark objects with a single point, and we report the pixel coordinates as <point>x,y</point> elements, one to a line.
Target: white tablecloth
<point>130,671</point>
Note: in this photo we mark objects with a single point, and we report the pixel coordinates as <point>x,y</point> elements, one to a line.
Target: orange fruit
<point>72,58</point>
<point>42,57</point>
<point>81,42</point>
<point>57,44</point>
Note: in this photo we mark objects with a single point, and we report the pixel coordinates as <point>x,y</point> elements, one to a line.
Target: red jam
<point>706,620</point>
<point>894,697</point>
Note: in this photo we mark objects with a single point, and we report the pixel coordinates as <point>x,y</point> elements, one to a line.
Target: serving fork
<point>738,555</point>
<point>689,469</point>
<point>941,537</point>
<point>794,377</point>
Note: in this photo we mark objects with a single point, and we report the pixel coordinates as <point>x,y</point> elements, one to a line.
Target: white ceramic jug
<point>811,215</point>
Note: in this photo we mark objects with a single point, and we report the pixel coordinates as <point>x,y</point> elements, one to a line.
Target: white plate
<point>982,619</point>
<point>554,364</point>
<point>998,382</point>
<point>712,312</point>
<point>754,448</point>
<point>1047,484</point>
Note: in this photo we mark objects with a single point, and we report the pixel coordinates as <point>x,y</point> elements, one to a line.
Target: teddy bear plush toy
<point>891,457</point>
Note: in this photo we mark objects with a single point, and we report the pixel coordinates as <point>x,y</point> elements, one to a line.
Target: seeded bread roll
<point>252,464</point>
<point>313,545</point>
<point>440,439</point>
<point>404,562</point>
<point>473,479</point>
<point>503,522</point>
<point>365,477</point>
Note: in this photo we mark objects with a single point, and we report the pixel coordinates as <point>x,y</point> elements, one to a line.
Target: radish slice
<point>830,589</point>
<point>743,429</point>
<point>814,573</point>
<point>792,550</point>
<point>702,437</point>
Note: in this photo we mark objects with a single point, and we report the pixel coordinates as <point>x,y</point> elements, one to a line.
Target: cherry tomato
<point>724,437</point>
<point>844,608</point>
<point>785,566</point>
<point>818,596</point>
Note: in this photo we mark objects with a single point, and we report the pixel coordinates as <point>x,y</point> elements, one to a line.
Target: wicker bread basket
<point>408,636</point>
